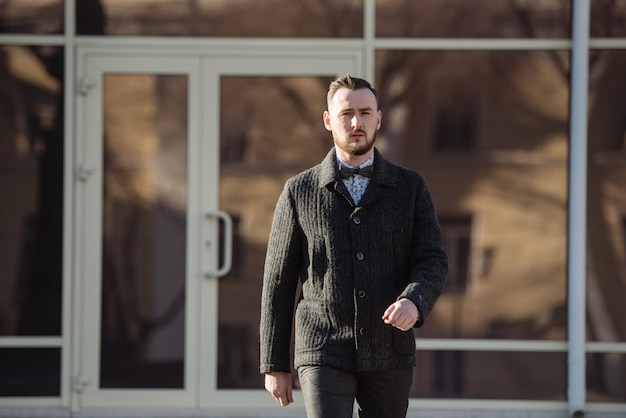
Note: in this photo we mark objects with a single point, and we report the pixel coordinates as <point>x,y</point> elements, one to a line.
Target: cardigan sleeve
<point>280,280</point>
<point>429,262</point>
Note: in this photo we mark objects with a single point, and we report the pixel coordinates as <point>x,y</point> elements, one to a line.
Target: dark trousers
<point>330,393</point>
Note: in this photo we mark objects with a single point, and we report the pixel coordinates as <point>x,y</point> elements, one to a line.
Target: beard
<point>354,148</point>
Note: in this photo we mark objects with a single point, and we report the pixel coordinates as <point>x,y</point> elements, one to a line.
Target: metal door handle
<point>228,243</point>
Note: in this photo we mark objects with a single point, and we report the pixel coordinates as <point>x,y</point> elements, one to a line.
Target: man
<point>368,252</point>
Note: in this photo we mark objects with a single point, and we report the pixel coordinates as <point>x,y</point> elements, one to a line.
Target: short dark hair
<point>349,82</point>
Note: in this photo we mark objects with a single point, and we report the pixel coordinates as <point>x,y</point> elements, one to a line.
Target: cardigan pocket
<point>312,326</point>
<point>403,341</point>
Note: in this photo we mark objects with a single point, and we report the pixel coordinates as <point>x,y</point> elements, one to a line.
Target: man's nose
<point>356,121</point>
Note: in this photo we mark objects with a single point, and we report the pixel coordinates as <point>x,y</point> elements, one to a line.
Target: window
<point>456,124</point>
<point>32,17</point>
<point>243,18</point>
<point>31,190</point>
<point>472,19</point>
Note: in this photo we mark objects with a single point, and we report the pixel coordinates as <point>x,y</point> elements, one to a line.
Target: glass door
<point>268,118</point>
<point>139,230</point>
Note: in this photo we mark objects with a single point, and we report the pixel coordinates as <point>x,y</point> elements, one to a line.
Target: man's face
<point>353,118</point>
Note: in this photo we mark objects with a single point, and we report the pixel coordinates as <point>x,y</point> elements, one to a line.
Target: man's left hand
<point>402,314</point>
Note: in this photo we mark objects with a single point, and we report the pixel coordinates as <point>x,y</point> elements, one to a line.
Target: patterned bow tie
<point>347,172</point>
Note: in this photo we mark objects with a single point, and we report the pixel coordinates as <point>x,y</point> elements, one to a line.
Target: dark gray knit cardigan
<point>353,262</point>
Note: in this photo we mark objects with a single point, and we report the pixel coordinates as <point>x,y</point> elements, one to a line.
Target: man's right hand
<point>278,384</point>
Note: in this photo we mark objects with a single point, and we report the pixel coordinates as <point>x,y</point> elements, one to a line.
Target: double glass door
<point>179,161</point>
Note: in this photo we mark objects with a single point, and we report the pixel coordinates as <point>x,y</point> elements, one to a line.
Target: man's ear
<point>380,119</point>
<point>326,118</point>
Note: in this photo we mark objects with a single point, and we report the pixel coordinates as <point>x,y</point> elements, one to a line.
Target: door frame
<point>204,69</point>
<point>88,230</point>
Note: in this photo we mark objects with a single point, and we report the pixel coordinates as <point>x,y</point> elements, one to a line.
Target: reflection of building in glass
<point>487,126</point>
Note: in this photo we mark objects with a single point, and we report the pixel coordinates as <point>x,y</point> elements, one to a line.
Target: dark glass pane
<point>472,19</point>
<point>490,375</point>
<point>496,164</point>
<point>31,190</point>
<point>32,16</point>
<point>608,18</point>
<point>606,198</point>
<point>144,231</point>
<point>261,146</point>
<point>30,372</point>
<point>606,377</point>
<point>243,18</point>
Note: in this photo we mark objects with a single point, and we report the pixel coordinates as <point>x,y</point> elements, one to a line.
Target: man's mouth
<point>358,134</point>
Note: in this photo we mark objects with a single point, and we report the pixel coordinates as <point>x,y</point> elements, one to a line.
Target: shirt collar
<point>368,162</point>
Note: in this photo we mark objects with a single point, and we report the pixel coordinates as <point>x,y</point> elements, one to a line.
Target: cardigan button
<point>356,219</point>
<point>359,256</point>
<point>363,331</point>
<point>361,293</point>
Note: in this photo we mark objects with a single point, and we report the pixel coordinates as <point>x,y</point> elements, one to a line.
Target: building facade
<point>143,145</point>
